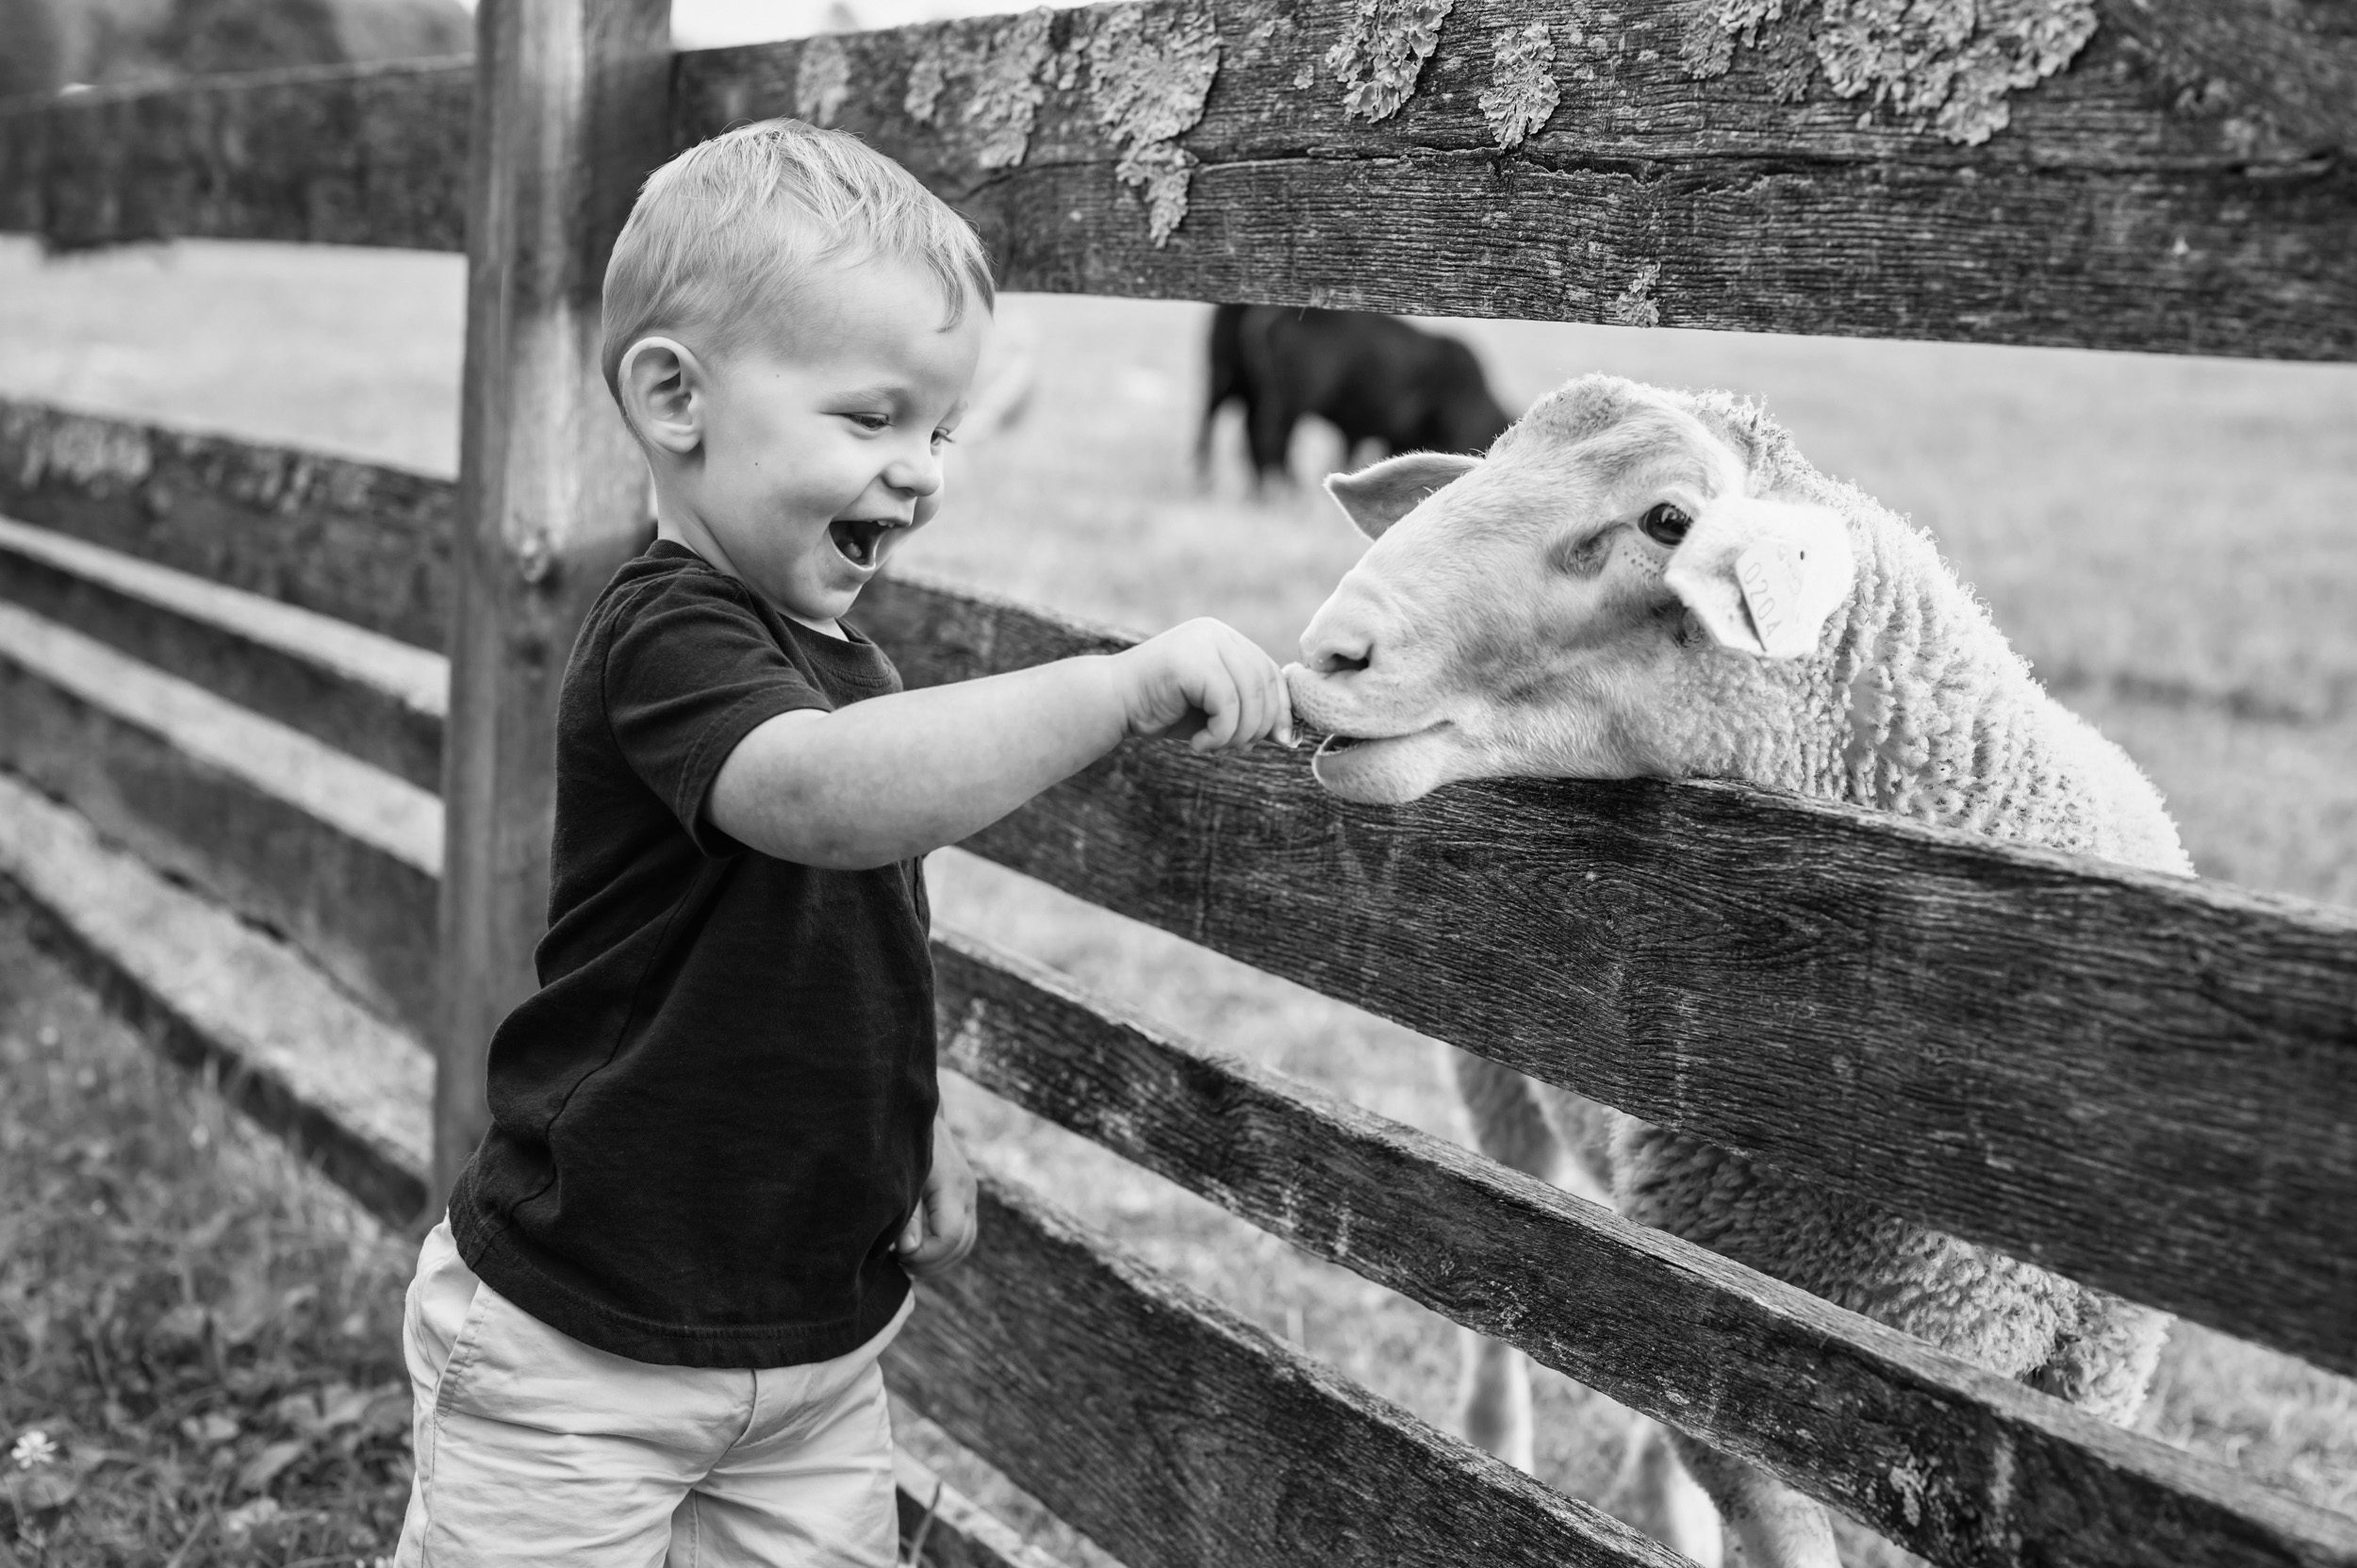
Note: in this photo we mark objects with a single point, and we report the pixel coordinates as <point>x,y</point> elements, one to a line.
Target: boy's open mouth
<point>861,540</point>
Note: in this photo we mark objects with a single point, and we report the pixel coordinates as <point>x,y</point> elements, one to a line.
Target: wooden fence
<point>278,726</point>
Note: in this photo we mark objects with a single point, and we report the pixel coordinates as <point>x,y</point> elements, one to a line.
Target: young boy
<point>649,1328</point>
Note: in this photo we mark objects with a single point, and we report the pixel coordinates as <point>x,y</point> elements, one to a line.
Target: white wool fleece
<point>1922,708</point>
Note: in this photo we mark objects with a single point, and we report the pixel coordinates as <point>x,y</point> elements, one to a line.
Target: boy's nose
<point>917,475</point>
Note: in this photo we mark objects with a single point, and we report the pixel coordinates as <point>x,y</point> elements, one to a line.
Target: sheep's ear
<point>1380,494</point>
<point>1763,576</point>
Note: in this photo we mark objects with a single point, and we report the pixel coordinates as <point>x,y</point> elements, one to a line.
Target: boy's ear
<point>662,382</point>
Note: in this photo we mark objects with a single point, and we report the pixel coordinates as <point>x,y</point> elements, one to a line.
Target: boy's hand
<point>942,1230</point>
<point>1207,682</point>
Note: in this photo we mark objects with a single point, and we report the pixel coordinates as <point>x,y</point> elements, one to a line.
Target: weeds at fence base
<point>199,1340</point>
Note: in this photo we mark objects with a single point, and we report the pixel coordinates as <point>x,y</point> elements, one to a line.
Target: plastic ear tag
<point>1770,573</point>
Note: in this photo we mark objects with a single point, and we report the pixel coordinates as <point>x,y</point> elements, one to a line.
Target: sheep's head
<point>1564,607</point>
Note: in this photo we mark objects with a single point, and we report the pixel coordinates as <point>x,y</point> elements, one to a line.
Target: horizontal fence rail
<point>364,543</point>
<point>1750,1365</point>
<point>1956,1465</point>
<point>2164,175</point>
<point>2139,1081</point>
<point>366,154</point>
<point>1173,1434</point>
<point>381,700</point>
<point>289,1048</point>
<point>294,835</point>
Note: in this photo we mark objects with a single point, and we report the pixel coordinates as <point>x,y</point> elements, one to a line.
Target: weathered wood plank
<point>1957,1465</point>
<point>359,542</point>
<point>379,700</point>
<point>568,121</point>
<point>2181,182</point>
<point>345,1090</point>
<point>2129,200</point>
<point>962,636</point>
<point>2291,64</point>
<point>1173,1434</point>
<point>369,155</point>
<point>340,857</point>
<point>2141,1081</point>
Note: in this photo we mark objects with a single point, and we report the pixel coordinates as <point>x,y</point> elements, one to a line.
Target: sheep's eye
<point>1665,522</point>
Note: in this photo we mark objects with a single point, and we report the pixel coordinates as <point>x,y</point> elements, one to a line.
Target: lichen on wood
<point>1948,66</point>
<point>927,76</point>
<point>97,454</point>
<point>1379,57</point>
<point>822,80</point>
<point>1635,306</point>
<point>1149,75</point>
<point>1521,92</point>
<point>1002,73</point>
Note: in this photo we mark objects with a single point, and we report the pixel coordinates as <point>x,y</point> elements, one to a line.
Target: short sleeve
<point>690,671</point>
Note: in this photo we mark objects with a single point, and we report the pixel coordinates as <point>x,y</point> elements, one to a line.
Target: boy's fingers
<point>1280,705</point>
<point>1221,708</point>
<point>1266,710</point>
<point>1240,659</point>
<point>949,1208</point>
<point>943,1246</point>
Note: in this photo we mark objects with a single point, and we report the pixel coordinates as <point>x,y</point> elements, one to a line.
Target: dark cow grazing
<point>1373,377</point>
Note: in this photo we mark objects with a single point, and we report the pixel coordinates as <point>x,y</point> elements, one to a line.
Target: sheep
<point>1637,582</point>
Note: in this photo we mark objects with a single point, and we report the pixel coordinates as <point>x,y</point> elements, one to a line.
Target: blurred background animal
<point>1375,378</point>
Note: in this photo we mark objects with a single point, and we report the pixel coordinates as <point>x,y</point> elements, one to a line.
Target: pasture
<point>2169,541</point>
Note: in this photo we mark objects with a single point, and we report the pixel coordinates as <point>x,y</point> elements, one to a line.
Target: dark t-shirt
<point>710,1122</point>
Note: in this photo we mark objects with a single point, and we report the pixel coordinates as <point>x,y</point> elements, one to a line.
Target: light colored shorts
<point>533,1447</point>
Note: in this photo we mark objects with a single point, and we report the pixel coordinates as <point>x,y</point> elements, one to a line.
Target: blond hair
<point>741,217</point>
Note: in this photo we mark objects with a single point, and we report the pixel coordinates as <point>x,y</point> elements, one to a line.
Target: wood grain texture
<point>568,121</point>
<point>379,700</point>
<point>2139,1081</point>
<point>2183,184</point>
<point>1958,1465</point>
<point>339,857</point>
<point>1173,1434</point>
<point>287,1047</point>
<point>369,155</point>
<point>2129,201</point>
<point>360,542</point>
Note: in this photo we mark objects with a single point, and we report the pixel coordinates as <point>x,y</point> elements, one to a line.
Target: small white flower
<point>241,1521</point>
<point>33,1450</point>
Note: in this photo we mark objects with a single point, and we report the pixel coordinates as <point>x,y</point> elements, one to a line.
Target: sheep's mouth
<point>1336,743</point>
<point>1383,770</point>
<point>860,540</point>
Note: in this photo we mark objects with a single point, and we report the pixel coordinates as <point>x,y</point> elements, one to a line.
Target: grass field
<point>2173,542</point>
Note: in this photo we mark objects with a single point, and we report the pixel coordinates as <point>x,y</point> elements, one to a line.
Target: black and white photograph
<point>1179,783</point>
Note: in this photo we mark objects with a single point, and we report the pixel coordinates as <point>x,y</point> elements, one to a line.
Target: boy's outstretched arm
<point>898,776</point>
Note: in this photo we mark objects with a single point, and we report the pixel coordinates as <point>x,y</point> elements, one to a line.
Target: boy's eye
<point>942,437</point>
<point>870,422</point>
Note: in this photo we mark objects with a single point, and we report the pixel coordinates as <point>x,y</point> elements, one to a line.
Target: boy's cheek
<point>929,505</point>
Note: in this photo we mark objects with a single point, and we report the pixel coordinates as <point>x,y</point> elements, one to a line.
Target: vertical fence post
<point>571,107</point>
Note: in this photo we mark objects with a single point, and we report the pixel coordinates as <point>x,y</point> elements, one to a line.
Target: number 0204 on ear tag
<point>1771,574</point>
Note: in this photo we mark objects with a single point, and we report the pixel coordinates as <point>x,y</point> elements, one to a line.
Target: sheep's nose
<point>1336,643</point>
